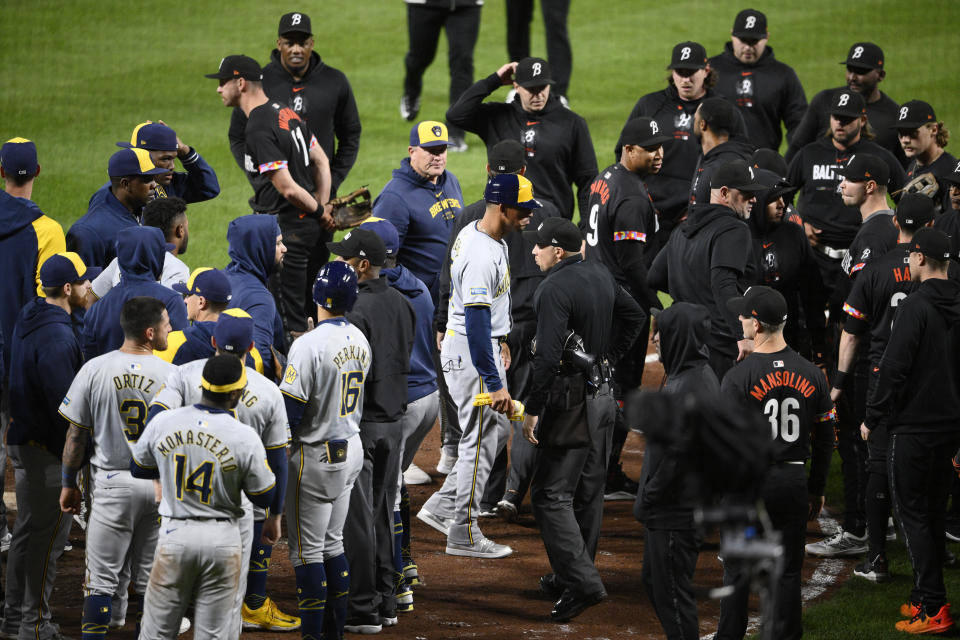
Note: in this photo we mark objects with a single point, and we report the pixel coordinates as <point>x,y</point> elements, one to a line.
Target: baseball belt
<point>830,252</point>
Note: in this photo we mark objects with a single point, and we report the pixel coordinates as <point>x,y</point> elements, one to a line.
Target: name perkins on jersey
<point>350,354</point>
<point>776,379</point>
<point>201,439</point>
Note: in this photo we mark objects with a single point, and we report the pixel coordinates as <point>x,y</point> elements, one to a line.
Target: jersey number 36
<point>784,421</point>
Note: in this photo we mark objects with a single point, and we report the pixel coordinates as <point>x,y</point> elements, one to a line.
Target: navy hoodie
<point>253,247</point>
<point>45,356</point>
<point>422,379</point>
<point>93,236</point>
<point>423,213</point>
<point>140,252</point>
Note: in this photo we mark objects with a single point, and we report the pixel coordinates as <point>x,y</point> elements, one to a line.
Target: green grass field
<point>76,76</point>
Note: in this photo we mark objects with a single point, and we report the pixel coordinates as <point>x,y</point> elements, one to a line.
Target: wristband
<point>68,477</point>
<point>839,379</point>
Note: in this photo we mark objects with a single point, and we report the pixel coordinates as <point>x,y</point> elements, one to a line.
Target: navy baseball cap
<point>234,331</point>
<point>914,114</point>
<point>643,132</point>
<point>864,55</point>
<point>152,136</point>
<point>429,133</point>
<point>762,303</point>
<point>18,157</point>
<point>736,174</point>
<point>294,22</point>
<point>932,243</point>
<point>865,166</point>
<point>133,162</point>
<point>750,24</point>
<point>915,211</point>
<point>65,267</point>
<point>210,283</point>
<point>688,55</point>
<point>507,156</point>
<point>533,72</point>
<point>387,232</point>
<point>847,104</point>
<point>238,66</point>
<point>556,232</point>
<point>512,190</point>
<point>361,243</point>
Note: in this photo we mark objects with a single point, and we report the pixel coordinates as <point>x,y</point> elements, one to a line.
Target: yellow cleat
<point>268,618</point>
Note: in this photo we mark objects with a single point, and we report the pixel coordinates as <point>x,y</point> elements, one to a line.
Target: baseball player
<point>793,396</point>
<point>479,317</point>
<point>107,403</point>
<point>204,459</point>
<point>864,186</point>
<point>323,389</point>
<point>261,408</point>
<point>923,139</point>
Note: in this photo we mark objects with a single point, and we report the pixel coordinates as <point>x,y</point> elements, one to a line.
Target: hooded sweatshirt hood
<point>683,329</point>
<point>253,245</point>
<point>140,252</point>
<point>403,280</point>
<point>39,314</point>
<point>18,213</point>
<point>945,297</point>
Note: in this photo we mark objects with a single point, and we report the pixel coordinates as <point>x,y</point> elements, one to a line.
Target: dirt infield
<point>494,599</point>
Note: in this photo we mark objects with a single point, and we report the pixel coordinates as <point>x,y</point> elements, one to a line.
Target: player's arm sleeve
<point>259,482</point>
<point>629,244</point>
<point>585,167</point>
<point>143,464</point>
<point>50,240</point>
<point>199,183</point>
<point>657,277</point>
<point>391,207</point>
<point>477,320</point>
<point>445,286</point>
<point>297,383</point>
<point>728,260</point>
<point>629,322</point>
<point>823,437</point>
<point>346,128</point>
<point>170,395</point>
<point>237,136</point>
<point>102,284</point>
<point>469,112</point>
<point>794,104</point>
<point>883,399</point>
<point>277,459</point>
<point>723,281</point>
<point>553,311</point>
<point>263,316</point>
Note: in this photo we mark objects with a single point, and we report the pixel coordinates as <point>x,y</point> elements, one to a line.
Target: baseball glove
<point>352,209</point>
<point>925,184</point>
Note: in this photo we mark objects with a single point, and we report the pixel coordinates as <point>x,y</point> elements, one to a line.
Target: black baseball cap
<point>688,55</point>
<point>361,243</point>
<point>774,185</point>
<point>770,160</point>
<point>237,66</point>
<point>294,22</point>
<point>750,24</point>
<point>507,156</point>
<point>865,166</point>
<point>556,232</point>
<point>914,114</point>
<point>533,72</point>
<point>915,211</point>
<point>952,177</point>
<point>932,243</point>
<point>847,104</point>
<point>864,55</point>
<point>644,132</point>
<point>736,174</point>
<point>762,303</point>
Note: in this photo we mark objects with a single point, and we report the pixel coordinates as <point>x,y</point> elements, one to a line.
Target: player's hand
<point>500,401</point>
<point>529,426</point>
<point>864,431</point>
<point>505,356</point>
<point>506,72</point>
<point>183,150</point>
<point>70,499</point>
<point>439,340</point>
<point>835,394</point>
<point>813,234</point>
<point>326,217</point>
<point>815,505</point>
<point>744,348</point>
<point>157,492</point>
<point>271,530</point>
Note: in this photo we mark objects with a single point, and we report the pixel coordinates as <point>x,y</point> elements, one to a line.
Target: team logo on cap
<point>857,52</point>
<point>436,130</point>
<point>654,129</point>
<point>844,99</point>
<point>295,19</point>
<point>751,22</point>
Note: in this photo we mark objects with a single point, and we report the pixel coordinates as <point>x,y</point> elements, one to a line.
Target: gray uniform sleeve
<point>172,393</point>
<point>75,406</point>
<point>257,476</point>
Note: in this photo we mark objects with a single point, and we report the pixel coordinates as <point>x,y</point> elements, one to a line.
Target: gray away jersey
<point>480,276</point>
<point>261,405</point>
<point>205,459</point>
<point>109,398</point>
<point>326,369</point>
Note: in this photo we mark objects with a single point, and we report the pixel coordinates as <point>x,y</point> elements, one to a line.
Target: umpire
<point>577,406</point>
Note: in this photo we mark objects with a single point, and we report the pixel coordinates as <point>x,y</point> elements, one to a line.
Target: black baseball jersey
<point>766,92</point>
<point>818,171</point>
<point>949,223</point>
<point>874,298</point>
<point>276,138</point>
<point>945,165</point>
<point>620,211</point>
<point>882,116</point>
<point>784,261</point>
<point>875,237</point>
<point>793,396</point>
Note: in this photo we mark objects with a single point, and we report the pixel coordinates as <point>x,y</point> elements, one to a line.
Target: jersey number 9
<point>350,384</point>
<point>198,481</point>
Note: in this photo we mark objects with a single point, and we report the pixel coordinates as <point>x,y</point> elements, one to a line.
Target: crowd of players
<point>114,349</point>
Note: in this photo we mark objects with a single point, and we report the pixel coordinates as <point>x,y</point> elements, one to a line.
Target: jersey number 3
<point>198,481</point>
<point>782,421</point>
<point>134,414</point>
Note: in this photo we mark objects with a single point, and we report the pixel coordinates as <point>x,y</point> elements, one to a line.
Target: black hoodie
<point>917,386</point>
<point>666,497</point>
<point>733,149</point>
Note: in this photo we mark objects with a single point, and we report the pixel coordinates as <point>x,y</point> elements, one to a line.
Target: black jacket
<point>733,149</point>
<point>667,497</point>
<point>766,92</point>
<point>557,140</point>
<point>583,297</point>
<point>917,388</point>
<point>325,100</point>
<point>387,319</point>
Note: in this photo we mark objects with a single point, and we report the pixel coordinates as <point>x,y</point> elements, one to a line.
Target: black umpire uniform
<point>916,397</point>
<point>567,487</point>
<point>792,394</point>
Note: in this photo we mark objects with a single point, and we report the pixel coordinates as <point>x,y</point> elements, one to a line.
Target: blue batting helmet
<point>335,288</point>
